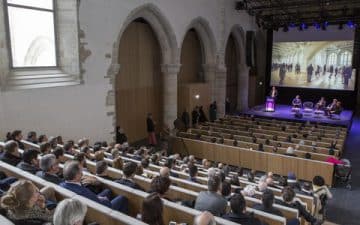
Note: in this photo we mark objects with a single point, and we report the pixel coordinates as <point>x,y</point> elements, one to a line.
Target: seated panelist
<point>296,102</point>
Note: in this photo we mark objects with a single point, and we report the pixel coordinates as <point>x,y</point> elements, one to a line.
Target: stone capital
<point>209,68</point>
<point>170,69</point>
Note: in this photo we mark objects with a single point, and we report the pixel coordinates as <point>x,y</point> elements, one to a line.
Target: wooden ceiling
<point>274,14</point>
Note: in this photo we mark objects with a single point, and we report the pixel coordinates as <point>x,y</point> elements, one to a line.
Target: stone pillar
<point>243,87</point>
<point>220,89</point>
<point>170,76</point>
<point>210,78</point>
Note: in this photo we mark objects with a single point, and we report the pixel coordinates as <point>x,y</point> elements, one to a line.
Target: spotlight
<point>304,26</point>
<point>350,24</point>
<point>285,29</point>
<point>317,26</point>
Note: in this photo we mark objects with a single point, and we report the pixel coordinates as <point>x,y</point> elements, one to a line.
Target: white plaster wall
<point>81,111</point>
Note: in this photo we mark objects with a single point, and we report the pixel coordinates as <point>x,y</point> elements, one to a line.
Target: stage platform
<point>284,112</point>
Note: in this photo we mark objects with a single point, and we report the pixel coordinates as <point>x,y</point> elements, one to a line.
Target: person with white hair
<point>290,151</point>
<point>70,212</point>
<point>249,190</point>
<point>49,169</point>
<point>205,218</point>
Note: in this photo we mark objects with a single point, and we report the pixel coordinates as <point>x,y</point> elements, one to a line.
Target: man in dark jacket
<point>185,118</point>
<point>120,136</point>
<point>11,153</point>
<point>267,203</point>
<point>30,162</point>
<point>150,125</point>
<point>238,212</point>
<point>50,169</point>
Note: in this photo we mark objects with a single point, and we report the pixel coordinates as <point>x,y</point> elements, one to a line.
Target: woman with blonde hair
<point>118,163</point>
<point>24,203</point>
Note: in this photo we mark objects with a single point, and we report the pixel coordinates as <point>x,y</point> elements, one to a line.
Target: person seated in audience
<point>101,170</point>
<point>70,212</point>
<point>24,204</point>
<point>115,153</point>
<point>234,180</point>
<point>238,212</point>
<point>118,163</point>
<point>262,185</point>
<point>293,183</point>
<point>267,203</point>
<point>251,175</point>
<point>50,169</point>
<point>145,163</point>
<point>337,109</point>
<point>226,190</point>
<point>249,190</point>
<point>129,173</point>
<point>260,147</point>
<point>205,218</point>
<point>139,170</point>
<point>307,155</point>
<point>17,136</point>
<point>73,174</point>
<point>5,182</point>
<point>87,152</point>
<point>164,172</point>
<point>11,154</point>
<point>321,194</point>
<point>212,172</point>
<point>160,185</point>
<point>45,148</point>
<point>42,138</point>
<point>53,141</point>
<point>32,137</point>
<point>321,104</point>
<point>296,102</point>
<point>306,189</point>
<point>154,159</point>
<point>288,196</point>
<point>290,151</point>
<point>83,142</point>
<point>69,148</point>
<point>170,163</point>
<point>80,157</point>
<point>60,140</point>
<point>152,210</point>
<point>99,155</point>
<point>59,154</point>
<point>212,200</point>
<point>193,172</point>
<point>30,162</point>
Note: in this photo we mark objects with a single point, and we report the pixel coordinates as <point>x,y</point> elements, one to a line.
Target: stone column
<point>170,76</point>
<point>220,89</point>
<point>243,87</point>
<point>210,78</point>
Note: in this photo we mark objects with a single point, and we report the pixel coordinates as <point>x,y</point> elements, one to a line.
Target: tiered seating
<point>243,130</point>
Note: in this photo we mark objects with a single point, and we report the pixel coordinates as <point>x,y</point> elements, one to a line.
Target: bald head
<point>204,218</point>
<point>164,172</point>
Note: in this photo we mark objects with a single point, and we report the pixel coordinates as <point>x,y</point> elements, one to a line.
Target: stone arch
<point>243,70</point>
<point>166,38</point>
<point>208,42</point>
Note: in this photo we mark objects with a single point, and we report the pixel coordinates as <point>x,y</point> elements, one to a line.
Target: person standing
<point>195,116</point>
<point>227,106</point>
<point>282,73</point>
<point>324,69</point>
<point>309,71</point>
<point>212,111</point>
<point>274,92</point>
<point>185,118</point>
<point>150,124</point>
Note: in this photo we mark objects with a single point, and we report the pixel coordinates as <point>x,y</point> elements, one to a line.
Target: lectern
<point>270,104</point>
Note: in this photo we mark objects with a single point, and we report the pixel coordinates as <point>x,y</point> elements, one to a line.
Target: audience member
<point>193,171</point>
<point>238,212</point>
<point>152,210</point>
<point>32,137</point>
<point>24,204</point>
<point>160,185</point>
<point>11,153</point>
<point>16,135</point>
<point>267,203</point>
<point>59,154</point>
<point>70,212</point>
<point>211,200</point>
<point>42,138</point>
<point>205,218</point>
<point>73,174</point>
<point>226,190</point>
<point>45,148</point>
<point>118,163</point>
<point>129,173</point>
<point>101,170</point>
<point>50,169</point>
<point>321,194</point>
<point>30,162</point>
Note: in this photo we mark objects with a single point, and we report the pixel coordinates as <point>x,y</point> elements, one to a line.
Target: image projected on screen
<point>318,64</point>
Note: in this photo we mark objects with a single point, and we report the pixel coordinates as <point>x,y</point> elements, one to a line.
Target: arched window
<point>32,33</point>
<point>345,58</point>
<point>332,59</point>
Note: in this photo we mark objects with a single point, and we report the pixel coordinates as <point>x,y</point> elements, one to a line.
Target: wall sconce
<point>197,96</point>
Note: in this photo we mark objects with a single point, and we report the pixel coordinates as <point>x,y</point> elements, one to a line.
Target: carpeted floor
<point>344,208</point>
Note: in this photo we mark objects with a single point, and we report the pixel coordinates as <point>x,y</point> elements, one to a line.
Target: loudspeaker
<point>250,48</point>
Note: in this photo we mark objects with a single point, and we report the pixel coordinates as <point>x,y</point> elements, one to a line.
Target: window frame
<point>345,61</point>
<point>8,36</point>
<point>334,59</point>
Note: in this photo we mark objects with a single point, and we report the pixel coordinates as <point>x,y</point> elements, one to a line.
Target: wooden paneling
<point>191,67</point>
<point>232,62</point>
<point>139,82</point>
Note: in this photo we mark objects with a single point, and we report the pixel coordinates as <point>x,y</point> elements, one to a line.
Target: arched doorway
<point>191,60</point>
<point>232,62</point>
<point>139,82</point>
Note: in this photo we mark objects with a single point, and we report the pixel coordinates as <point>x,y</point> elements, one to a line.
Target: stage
<point>284,112</point>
